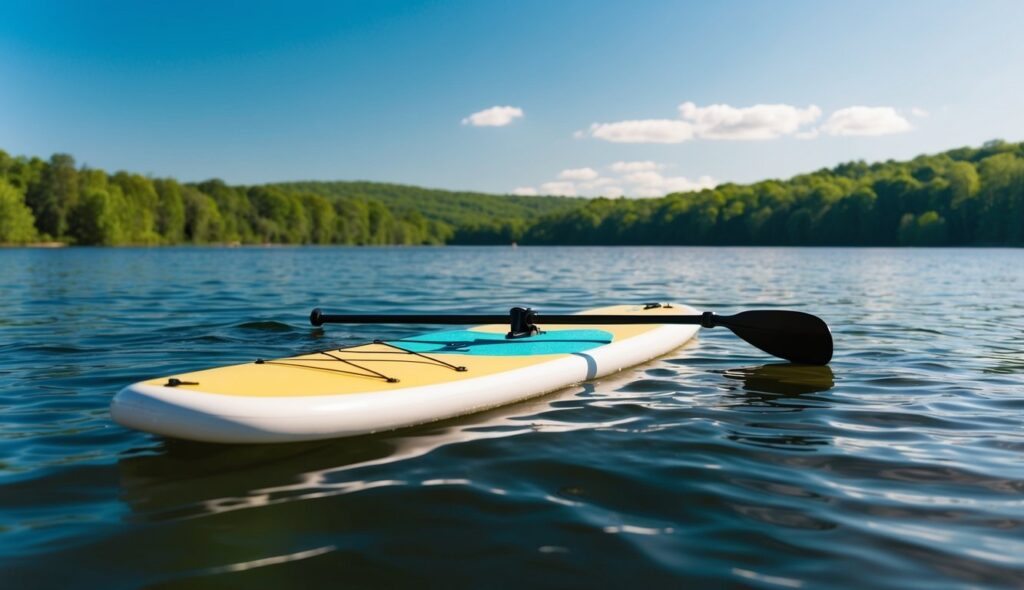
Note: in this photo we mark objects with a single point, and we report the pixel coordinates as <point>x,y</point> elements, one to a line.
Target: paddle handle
<point>317,318</point>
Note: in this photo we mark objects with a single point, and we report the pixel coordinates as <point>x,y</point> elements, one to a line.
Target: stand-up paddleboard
<point>393,384</point>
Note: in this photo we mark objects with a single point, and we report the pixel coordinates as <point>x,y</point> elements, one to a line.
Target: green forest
<point>962,197</point>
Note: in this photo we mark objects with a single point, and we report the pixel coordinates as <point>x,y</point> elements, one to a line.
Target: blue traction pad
<point>491,344</point>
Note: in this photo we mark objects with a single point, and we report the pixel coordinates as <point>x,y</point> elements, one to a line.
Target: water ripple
<point>898,466</point>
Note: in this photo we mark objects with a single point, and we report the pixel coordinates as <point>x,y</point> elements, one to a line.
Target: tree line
<point>962,197</point>
<point>966,196</point>
<point>54,200</point>
<point>44,200</point>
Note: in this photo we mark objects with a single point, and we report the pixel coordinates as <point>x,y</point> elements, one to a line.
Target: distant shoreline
<point>37,245</point>
<point>229,246</point>
<point>962,197</point>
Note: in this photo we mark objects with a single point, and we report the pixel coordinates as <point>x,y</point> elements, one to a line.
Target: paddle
<point>795,336</point>
<point>792,335</point>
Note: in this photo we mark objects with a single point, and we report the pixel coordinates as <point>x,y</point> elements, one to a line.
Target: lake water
<point>900,466</point>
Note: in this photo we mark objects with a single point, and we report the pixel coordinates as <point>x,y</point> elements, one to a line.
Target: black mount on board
<point>521,323</point>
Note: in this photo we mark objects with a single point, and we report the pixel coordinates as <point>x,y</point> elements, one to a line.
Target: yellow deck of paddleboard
<point>309,375</point>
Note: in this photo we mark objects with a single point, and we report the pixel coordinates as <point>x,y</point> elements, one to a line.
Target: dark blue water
<point>901,466</point>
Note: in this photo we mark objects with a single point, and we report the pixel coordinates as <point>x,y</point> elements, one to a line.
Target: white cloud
<point>565,189</point>
<point>578,174</point>
<point>644,177</point>
<point>679,184</point>
<point>860,120</point>
<point>761,121</point>
<point>493,117</point>
<point>652,184</point>
<point>596,183</point>
<point>525,191</point>
<point>758,122</point>
<point>643,131</point>
<point>635,179</point>
<point>717,121</point>
<point>621,167</point>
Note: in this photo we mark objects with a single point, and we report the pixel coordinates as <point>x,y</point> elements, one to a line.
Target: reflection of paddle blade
<point>784,379</point>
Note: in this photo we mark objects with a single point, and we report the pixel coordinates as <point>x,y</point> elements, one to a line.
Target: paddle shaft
<point>538,318</point>
<point>792,335</point>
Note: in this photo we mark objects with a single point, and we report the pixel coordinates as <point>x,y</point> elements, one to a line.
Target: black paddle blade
<point>792,335</point>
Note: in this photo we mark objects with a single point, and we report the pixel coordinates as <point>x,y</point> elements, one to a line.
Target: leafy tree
<point>927,229</point>
<point>17,225</point>
<point>6,163</point>
<point>322,218</point>
<point>170,211</point>
<point>54,195</point>
<point>140,209</point>
<point>97,218</point>
<point>203,221</point>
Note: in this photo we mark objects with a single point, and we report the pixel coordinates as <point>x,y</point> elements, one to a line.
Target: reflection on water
<point>784,379</point>
<point>184,475</point>
<point>897,466</point>
<point>189,474</point>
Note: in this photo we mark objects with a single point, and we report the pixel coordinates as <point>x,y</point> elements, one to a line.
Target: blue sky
<point>257,91</point>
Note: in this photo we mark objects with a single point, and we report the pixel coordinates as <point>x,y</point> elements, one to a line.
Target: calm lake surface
<point>900,466</point>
